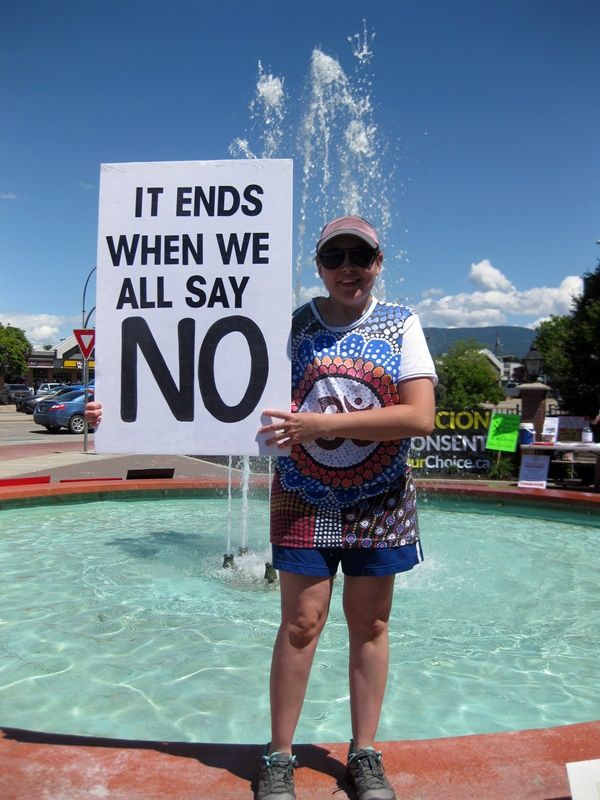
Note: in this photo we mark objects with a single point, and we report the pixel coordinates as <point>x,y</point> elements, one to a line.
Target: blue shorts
<point>356,562</point>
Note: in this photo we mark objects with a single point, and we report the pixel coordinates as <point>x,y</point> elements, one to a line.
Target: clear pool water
<point>117,619</point>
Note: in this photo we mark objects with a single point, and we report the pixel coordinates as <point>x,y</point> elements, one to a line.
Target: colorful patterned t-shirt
<point>348,370</point>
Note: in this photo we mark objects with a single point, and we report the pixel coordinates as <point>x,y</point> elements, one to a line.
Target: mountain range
<point>503,340</point>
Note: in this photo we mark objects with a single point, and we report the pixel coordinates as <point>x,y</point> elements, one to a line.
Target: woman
<point>344,495</point>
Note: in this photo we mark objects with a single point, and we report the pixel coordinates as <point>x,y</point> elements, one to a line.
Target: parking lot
<point>17,428</point>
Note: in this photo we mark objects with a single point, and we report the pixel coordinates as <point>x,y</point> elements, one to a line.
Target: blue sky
<point>483,120</point>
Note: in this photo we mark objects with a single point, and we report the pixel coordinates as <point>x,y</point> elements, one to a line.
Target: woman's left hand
<point>293,428</point>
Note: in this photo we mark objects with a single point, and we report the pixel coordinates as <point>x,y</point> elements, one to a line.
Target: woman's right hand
<point>93,413</point>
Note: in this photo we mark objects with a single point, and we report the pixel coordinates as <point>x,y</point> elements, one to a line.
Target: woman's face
<point>349,285</point>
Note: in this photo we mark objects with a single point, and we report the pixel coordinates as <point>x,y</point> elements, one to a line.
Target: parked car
<point>12,392</point>
<point>28,406</point>
<point>65,411</point>
<point>46,389</point>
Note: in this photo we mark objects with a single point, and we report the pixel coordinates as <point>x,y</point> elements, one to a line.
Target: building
<point>495,362</point>
<point>62,364</point>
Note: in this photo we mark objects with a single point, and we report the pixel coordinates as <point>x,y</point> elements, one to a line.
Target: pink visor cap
<point>349,226</point>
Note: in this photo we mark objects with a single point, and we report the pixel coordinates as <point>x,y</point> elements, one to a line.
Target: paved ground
<point>63,457</point>
<point>69,462</point>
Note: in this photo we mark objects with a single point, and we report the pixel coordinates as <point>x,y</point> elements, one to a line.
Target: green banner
<point>503,433</point>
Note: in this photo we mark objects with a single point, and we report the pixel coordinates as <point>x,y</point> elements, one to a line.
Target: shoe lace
<point>281,773</point>
<point>369,769</point>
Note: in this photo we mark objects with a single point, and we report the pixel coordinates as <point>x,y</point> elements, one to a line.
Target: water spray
<point>245,491</point>
<point>229,472</point>
<point>336,142</point>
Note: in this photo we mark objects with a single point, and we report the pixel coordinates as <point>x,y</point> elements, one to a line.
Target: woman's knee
<point>304,607</point>
<point>368,605</point>
<point>305,628</point>
<point>366,622</point>
<point>367,627</point>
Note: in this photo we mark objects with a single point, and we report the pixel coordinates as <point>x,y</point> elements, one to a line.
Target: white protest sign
<point>193,307</point>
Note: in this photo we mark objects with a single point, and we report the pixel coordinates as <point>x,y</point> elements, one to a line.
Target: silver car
<point>47,388</point>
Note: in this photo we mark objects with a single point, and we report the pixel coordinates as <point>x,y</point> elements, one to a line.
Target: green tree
<point>14,351</point>
<point>466,378</point>
<point>570,347</point>
<point>551,337</point>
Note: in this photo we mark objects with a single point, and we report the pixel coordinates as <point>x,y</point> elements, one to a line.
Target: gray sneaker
<point>365,772</point>
<point>276,777</point>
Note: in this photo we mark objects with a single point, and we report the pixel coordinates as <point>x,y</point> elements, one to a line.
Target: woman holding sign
<point>345,495</point>
<point>362,386</point>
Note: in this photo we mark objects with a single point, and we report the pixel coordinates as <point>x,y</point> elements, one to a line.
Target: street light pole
<point>87,319</point>
<point>83,299</point>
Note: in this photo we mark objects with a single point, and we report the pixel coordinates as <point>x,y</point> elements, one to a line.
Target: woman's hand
<point>293,428</point>
<point>93,413</point>
<point>413,416</point>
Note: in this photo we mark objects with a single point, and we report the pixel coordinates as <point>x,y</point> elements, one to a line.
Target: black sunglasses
<point>359,257</point>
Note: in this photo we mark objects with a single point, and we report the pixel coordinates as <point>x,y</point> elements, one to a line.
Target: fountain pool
<point>119,620</point>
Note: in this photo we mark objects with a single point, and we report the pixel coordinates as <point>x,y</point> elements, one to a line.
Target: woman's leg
<point>304,608</point>
<point>367,606</point>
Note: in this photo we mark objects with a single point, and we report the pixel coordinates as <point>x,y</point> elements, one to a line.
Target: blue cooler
<point>526,433</point>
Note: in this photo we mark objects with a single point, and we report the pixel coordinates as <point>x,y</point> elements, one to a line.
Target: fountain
<point>130,627</point>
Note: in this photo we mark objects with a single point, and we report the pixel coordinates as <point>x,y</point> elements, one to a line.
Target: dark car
<point>63,412</point>
<point>28,406</point>
<point>13,392</point>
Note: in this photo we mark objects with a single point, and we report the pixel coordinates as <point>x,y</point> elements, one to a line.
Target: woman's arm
<point>414,416</point>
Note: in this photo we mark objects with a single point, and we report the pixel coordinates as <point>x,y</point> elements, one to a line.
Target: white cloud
<point>8,196</point>
<point>458,311</point>
<point>487,276</point>
<point>497,301</point>
<point>41,329</point>
<point>308,292</point>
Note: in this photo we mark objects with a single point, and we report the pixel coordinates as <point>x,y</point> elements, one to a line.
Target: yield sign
<point>85,339</point>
